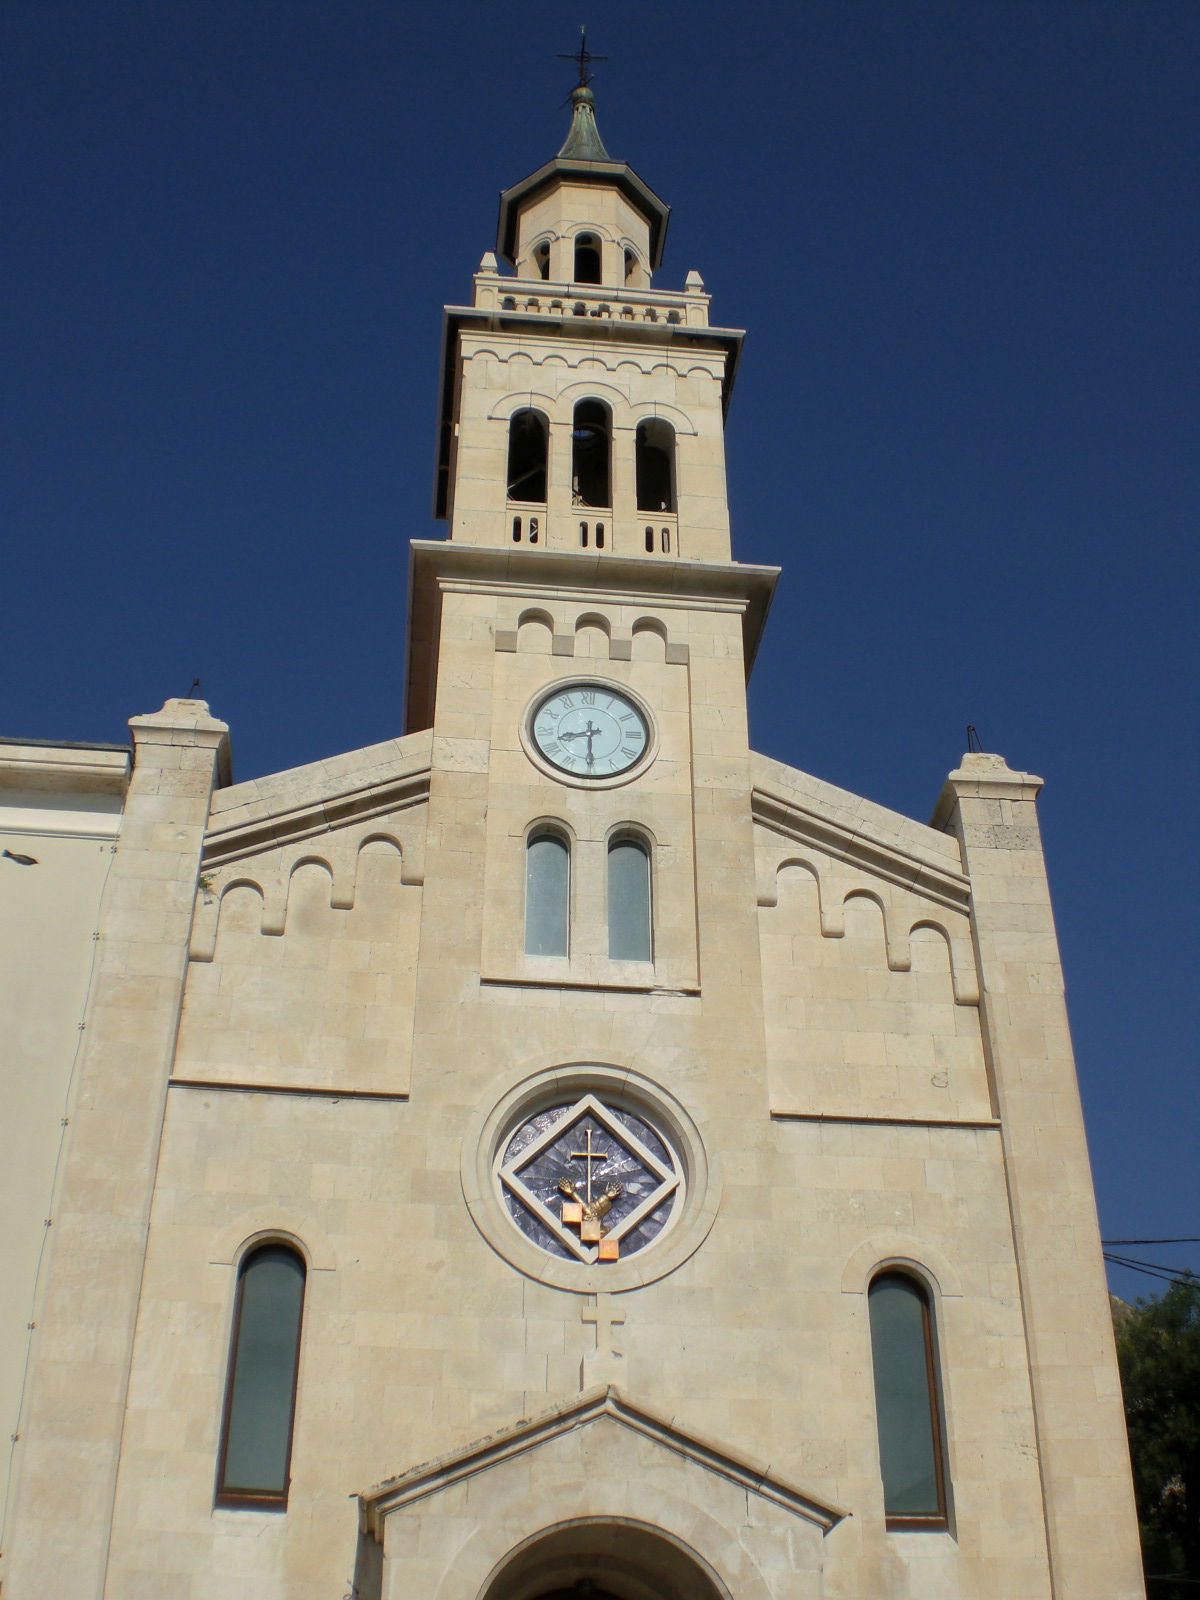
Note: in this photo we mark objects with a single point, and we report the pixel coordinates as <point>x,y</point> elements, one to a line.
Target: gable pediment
<point>606,1410</point>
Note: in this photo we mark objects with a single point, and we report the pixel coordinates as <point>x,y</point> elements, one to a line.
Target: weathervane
<point>584,57</point>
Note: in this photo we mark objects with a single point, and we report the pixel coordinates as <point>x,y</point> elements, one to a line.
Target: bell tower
<point>583,627</point>
<point>582,408</point>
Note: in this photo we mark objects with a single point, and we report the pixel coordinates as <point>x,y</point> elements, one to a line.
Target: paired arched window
<point>630,923</point>
<point>908,1407</point>
<point>260,1389</point>
<point>548,896</point>
<point>547,893</point>
<point>655,461</point>
<point>528,449</point>
<point>591,454</point>
<point>587,258</point>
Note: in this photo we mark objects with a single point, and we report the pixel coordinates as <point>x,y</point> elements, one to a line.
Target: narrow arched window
<point>631,268</point>
<point>528,444</point>
<point>907,1402</point>
<point>629,921</point>
<point>260,1389</point>
<point>547,893</point>
<point>591,453</point>
<point>655,455</point>
<point>587,258</point>
<point>541,259</point>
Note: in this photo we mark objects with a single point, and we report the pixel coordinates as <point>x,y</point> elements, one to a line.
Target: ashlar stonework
<point>591,1241</point>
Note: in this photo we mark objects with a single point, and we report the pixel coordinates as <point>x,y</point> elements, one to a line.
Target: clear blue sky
<point>963,237</point>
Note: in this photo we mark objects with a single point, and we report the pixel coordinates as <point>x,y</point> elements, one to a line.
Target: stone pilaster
<point>1076,1389</point>
<point>83,1348</point>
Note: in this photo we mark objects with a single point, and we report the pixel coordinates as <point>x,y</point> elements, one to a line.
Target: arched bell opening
<point>603,1559</point>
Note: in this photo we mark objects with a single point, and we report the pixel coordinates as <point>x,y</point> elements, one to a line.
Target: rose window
<point>588,1181</point>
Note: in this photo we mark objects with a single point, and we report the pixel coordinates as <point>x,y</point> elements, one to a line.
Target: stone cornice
<point>77,768</point>
<point>319,816</point>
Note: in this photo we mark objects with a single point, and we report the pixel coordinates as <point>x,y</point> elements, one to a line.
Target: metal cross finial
<point>587,1157</point>
<point>584,57</point>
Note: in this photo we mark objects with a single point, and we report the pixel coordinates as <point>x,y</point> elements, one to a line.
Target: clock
<point>589,730</point>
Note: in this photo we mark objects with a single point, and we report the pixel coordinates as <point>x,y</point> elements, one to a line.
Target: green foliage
<point>1158,1345</point>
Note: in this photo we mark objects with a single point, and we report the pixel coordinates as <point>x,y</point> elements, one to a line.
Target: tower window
<point>907,1402</point>
<point>528,448</point>
<point>655,456</point>
<point>260,1392</point>
<point>591,451</point>
<point>541,259</point>
<point>587,258</point>
<point>631,267</point>
<point>547,893</point>
<point>629,899</point>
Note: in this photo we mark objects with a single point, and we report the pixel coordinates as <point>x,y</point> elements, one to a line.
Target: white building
<point>557,1151</point>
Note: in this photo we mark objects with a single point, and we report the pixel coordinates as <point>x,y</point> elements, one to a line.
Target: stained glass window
<point>589,1181</point>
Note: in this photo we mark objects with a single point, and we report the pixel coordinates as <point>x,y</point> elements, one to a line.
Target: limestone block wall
<point>60,812</point>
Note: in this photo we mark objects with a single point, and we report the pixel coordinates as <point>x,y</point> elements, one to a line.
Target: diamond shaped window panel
<point>588,1181</point>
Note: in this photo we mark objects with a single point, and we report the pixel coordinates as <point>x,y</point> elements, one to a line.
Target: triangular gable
<point>594,1405</point>
<point>803,811</point>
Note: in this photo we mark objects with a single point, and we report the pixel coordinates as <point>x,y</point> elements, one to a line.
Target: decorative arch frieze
<point>898,923</point>
<point>271,875</point>
<point>539,631</point>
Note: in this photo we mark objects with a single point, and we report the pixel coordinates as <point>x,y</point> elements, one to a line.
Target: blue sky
<point>962,236</point>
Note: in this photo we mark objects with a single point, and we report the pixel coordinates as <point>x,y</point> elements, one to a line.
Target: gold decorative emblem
<point>586,1210</point>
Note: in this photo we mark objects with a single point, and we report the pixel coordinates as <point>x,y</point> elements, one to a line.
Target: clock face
<point>590,731</point>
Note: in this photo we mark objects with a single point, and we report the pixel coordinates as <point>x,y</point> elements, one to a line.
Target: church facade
<point>560,1151</point>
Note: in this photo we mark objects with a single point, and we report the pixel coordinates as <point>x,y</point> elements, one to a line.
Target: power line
<point>1176,1240</point>
<point>1164,1274</point>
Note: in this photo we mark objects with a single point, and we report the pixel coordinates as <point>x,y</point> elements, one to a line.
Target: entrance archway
<point>603,1559</point>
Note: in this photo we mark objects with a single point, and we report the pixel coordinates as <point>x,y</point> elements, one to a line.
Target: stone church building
<point>558,1151</point>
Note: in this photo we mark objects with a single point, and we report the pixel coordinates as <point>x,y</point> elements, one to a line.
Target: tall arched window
<point>591,452</point>
<point>528,443</point>
<point>547,893</point>
<point>587,258</point>
<point>541,259</point>
<point>260,1389</point>
<point>655,453</point>
<point>630,935</point>
<point>907,1402</point>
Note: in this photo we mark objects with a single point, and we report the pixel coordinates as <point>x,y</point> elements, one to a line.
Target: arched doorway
<point>603,1559</point>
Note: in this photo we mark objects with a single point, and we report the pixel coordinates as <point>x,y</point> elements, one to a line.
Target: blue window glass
<point>547,894</point>
<point>629,934</point>
<point>260,1399</point>
<point>906,1403</point>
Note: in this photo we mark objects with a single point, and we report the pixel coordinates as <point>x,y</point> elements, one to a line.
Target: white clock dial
<point>590,731</point>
